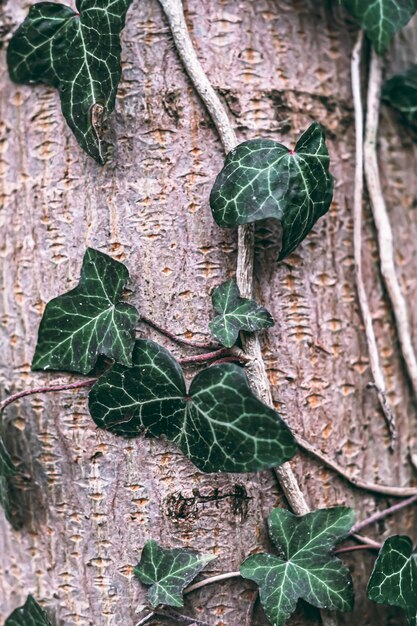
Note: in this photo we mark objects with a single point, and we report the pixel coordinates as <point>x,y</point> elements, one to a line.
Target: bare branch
<point>47,389</point>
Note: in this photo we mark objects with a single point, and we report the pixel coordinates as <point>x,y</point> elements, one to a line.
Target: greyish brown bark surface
<point>95,499</point>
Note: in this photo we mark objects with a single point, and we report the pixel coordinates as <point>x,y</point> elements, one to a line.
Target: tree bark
<point>95,499</point>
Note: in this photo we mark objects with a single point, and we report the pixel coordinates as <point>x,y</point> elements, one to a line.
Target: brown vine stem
<point>46,389</point>
<point>355,548</point>
<point>394,492</point>
<point>376,517</point>
<point>382,222</point>
<point>174,12</point>
<point>187,342</point>
<point>377,372</point>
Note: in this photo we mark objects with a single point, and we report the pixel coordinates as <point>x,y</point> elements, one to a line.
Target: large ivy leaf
<point>168,572</point>
<point>236,314</point>
<point>381,19</point>
<point>262,178</point>
<point>305,567</point>
<point>219,424</point>
<point>30,614</point>
<point>89,320</point>
<point>7,469</point>
<point>401,93</point>
<point>394,578</point>
<point>79,54</point>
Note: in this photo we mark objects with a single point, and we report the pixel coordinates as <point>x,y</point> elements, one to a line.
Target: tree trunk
<point>95,499</point>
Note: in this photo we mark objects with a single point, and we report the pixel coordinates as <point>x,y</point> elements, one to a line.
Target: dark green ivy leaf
<point>236,314</point>
<point>401,93</point>
<point>7,469</point>
<point>381,19</point>
<point>89,320</point>
<point>394,578</point>
<point>168,572</point>
<point>219,424</point>
<point>306,567</point>
<point>262,178</point>
<point>30,614</point>
<point>79,54</point>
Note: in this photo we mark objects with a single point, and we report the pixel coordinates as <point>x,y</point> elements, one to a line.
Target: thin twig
<point>376,517</point>
<point>382,223</point>
<point>377,372</point>
<point>354,548</point>
<point>257,374</point>
<point>187,342</point>
<point>47,389</point>
<point>211,580</point>
<point>207,356</point>
<point>394,492</point>
<point>365,540</point>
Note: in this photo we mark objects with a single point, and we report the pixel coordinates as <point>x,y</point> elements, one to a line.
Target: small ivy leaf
<point>381,19</point>
<point>307,569</point>
<point>168,572</point>
<point>262,179</point>
<point>89,320</point>
<point>401,93</point>
<point>79,54</point>
<point>7,469</point>
<point>219,425</point>
<point>30,614</point>
<point>236,314</point>
<point>394,578</point>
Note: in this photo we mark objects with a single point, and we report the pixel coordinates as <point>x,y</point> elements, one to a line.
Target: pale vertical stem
<point>374,360</point>
<point>382,223</point>
<point>257,374</point>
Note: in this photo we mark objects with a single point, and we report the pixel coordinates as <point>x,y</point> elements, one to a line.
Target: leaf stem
<point>382,223</point>
<point>355,548</point>
<point>46,389</point>
<point>207,356</point>
<point>187,342</point>
<point>210,581</point>
<point>379,515</point>
<point>374,359</point>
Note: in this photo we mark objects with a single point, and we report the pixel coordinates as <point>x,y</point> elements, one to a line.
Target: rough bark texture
<point>94,498</point>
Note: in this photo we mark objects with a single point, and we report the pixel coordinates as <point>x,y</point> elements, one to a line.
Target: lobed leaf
<point>401,93</point>
<point>306,567</point>
<point>394,578</point>
<point>168,572</point>
<point>219,424</point>
<point>30,614</point>
<point>78,52</point>
<point>89,320</point>
<point>381,19</point>
<point>264,179</point>
<point>236,314</point>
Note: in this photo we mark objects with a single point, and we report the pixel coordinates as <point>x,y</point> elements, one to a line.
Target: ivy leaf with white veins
<point>7,469</point>
<point>381,19</point>
<point>263,179</point>
<point>401,93</point>
<point>236,314</point>
<point>168,572</point>
<point>306,567</point>
<point>219,424</point>
<point>89,320</point>
<point>394,578</point>
<point>30,614</point>
<point>79,54</point>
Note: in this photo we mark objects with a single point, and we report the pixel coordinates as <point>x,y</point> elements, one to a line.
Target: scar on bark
<point>182,507</point>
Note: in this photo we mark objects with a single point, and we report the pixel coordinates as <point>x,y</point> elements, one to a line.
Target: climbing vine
<point>224,420</point>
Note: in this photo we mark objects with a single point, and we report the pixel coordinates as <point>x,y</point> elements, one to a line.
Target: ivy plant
<point>394,578</point>
<point>88,321</point>
<point>264,179</point>
<point>219,424</point>
<point>7,470</point>
<point>381,19</point>
<point>401,93</point>
<point>236,314</point>
<point>169,572</point>
<point>30,614</point>
<point>304,567</point>
<point>78,52</point>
